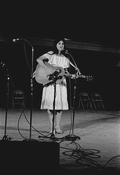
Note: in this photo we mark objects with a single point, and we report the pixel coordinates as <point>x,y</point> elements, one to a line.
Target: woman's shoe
<point>58,130</point>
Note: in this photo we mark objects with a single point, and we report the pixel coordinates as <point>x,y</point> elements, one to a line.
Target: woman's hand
<point>73,76</point>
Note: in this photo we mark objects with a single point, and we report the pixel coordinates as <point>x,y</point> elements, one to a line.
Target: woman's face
<point>60,45</point>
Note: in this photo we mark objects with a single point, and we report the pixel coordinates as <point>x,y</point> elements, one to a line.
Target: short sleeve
<point>45,56</point>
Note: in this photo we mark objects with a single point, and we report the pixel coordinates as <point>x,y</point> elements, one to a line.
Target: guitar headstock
<point>89,78</point>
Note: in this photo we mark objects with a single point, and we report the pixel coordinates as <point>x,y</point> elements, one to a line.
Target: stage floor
<point>98,133</point>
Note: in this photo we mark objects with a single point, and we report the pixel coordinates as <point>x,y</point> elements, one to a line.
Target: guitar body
<point>43,71</point>
<point>41,75</point>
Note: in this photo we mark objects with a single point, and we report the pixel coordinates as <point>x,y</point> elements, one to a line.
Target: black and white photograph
<point>60,88</point>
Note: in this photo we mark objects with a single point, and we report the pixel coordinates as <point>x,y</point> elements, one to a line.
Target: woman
<point>55,58</point>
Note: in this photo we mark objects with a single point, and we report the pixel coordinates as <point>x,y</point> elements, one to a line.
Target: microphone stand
<point>53,119</point>
<point>5,137</point>
<point>53,131</point>
<point>31,84</point>
<point>31,90</point>
<point>71,136</point>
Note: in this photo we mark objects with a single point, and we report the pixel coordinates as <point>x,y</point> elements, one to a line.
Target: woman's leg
<point>57,121</point>
<point>50,117</point>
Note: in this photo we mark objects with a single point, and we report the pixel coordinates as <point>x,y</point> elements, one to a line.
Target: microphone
<point>54,76</point>
<point>2,64</point>
<point>21,39</point>
<point>66,51</point>
<point>16,39</point>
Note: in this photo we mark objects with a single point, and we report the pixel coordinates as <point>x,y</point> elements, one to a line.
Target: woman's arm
<point>42,59</point>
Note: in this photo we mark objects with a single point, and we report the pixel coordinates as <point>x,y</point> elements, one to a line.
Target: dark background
<point>91,23</point>
<point>101,65</point>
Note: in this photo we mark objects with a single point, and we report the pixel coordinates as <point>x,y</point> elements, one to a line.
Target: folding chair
<point>18,99</point>
<point>97,101</point>
<point>84,101</point>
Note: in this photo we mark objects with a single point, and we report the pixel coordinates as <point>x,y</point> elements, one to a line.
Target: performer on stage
<point>56,58</point>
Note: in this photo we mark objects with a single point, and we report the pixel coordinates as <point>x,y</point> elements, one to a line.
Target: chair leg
<point>95,105</point>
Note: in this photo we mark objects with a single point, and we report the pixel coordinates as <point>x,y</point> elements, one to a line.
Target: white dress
<point>61,101</point>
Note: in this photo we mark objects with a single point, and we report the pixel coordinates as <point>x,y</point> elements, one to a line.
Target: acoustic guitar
<point>47,73</point>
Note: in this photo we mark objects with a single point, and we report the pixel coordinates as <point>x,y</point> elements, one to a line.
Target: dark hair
<point>56,40</point>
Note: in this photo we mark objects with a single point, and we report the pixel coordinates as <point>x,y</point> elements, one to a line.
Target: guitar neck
<point>82,76</point>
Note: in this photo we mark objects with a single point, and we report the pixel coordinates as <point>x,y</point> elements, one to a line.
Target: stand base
<point>71,137</point>
<point>6,138</point>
